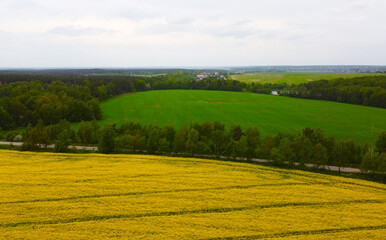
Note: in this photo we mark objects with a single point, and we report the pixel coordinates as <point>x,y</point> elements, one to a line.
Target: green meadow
<point>296,78</point>
<point>271,114</point>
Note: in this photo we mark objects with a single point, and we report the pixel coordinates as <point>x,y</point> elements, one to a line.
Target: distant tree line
<point>101,71</point>
<point>217,84</point>
<point>213,139</point>
<point>367,90</point>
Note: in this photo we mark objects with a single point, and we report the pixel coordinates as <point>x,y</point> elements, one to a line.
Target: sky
<point>176,33</point>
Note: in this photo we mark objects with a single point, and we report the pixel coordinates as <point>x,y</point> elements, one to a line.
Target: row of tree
<point>214,139</point>
<point>367,90</point>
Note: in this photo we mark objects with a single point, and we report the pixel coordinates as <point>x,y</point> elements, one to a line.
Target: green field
<point>296,78</point>
<point>271,114</point>
<point>96,196</point>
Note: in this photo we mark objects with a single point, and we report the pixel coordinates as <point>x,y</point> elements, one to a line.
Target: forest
<point>23,103</point>
<point>368,91</point>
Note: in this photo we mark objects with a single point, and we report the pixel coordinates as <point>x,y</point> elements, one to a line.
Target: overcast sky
<point>148,33</point>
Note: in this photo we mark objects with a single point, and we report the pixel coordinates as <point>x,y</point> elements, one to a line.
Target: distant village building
<point>205,75</point>
<point>202,76</point>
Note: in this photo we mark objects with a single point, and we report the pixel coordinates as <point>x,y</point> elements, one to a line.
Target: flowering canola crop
<point>95,196</point>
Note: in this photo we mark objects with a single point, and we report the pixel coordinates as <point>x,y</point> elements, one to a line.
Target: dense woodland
<point>213,139</point>
<point>23,103</point>
<point>369,90</point>
<point>24,99</point>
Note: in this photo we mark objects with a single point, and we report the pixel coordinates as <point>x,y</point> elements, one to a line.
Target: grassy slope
<point>64,196</point>
<point>295,78</point>
<point>271,114</point>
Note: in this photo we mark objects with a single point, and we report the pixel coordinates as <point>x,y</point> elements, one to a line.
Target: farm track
<point>327,167</point>
<point>296,233</point>
<point>176,213</point>
<point>151,192</point>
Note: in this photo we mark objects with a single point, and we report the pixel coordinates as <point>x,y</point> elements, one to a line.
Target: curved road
<point>52,146</point>
<point>331,168</point>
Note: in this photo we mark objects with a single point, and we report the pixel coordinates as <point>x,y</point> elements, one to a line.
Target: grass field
<point>295,78</point>
<point>63,196</point>
<point>271,114</point>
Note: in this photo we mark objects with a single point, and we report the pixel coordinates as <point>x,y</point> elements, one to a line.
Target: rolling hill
<point>271,114</point>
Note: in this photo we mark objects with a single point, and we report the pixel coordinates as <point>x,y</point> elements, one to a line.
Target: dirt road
<point>331,168</point>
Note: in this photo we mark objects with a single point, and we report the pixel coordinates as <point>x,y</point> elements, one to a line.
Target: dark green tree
<point>306,151</point>
<point>206,129</point>
<point>168,132</point>
<point>85,132</point>
<point>95,109</point>
<point>283,153</point>
<point>64,140</point>
<point>138,142</point>
<point>164,145</point>
<point>192,141</point>
<point>94,131</point>
<point>220,138</point>
<point>106,140</point>
<point>5,119</point>
<point>123,142</point>
<point>179,145</point>
<point>380,144</point>
<point>236,132</point>
<point>341,154</point>
<point>239,148</point>
<point>36,137</point>
<point>102,93</point>
<point>374,162</point>
<point>319,156</point>
<point>252,137</point>
<point>153,140</point>
<point>264,149</point>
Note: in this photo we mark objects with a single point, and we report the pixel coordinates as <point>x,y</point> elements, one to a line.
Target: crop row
<point>199,211</point>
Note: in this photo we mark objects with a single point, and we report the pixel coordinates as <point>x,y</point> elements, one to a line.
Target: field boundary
<point>310,165</point>
<point>153,192</point>
<point>296,233</point>
<point>176,213</point>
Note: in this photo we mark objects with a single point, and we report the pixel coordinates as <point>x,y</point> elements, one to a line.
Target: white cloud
<point>77,31</point>
<point>42,33</point>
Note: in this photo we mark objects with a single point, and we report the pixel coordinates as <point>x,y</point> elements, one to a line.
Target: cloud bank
<point>118,33</point>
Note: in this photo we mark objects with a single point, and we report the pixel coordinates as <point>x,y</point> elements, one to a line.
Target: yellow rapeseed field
<point>95,196</point>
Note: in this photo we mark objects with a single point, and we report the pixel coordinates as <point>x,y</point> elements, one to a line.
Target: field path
<point>327,167</point>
